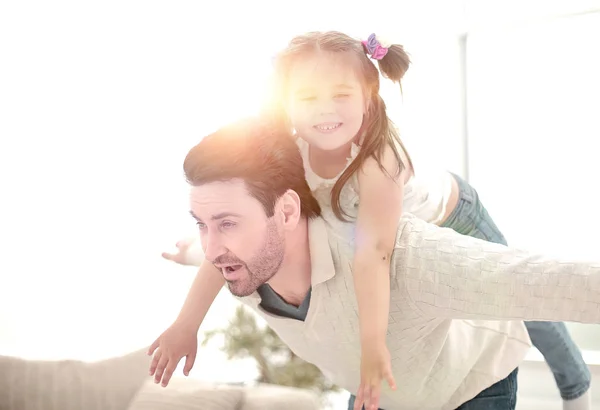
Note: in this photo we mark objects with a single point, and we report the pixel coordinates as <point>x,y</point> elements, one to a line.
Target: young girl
<point>328,92</point>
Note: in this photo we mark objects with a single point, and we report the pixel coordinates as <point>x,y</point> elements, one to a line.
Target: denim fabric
<point>500,396</point>
<point>552,339</point>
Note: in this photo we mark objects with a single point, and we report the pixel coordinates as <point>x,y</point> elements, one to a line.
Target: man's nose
<point>213,246</point>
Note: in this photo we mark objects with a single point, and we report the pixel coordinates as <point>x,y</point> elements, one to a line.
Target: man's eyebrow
<point>218,216</point>
<point>224,215</point>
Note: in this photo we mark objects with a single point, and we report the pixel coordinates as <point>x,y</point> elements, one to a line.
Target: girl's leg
<point>552,339</point>
<point>571,373</point>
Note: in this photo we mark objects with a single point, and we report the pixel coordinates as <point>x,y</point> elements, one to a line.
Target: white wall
<point>533,108</point>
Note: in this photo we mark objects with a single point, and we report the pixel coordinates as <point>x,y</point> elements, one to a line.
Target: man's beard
<point>263,265</point>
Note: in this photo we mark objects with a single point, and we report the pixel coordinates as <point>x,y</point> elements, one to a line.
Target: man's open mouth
<point>231,268</point>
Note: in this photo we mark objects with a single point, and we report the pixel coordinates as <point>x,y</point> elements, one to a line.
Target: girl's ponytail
<point>393,61</point>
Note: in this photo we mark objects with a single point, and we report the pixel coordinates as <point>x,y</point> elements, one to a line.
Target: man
<point>455,331</point>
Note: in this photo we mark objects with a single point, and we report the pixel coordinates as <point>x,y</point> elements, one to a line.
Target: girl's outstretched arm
<point>380,205</point>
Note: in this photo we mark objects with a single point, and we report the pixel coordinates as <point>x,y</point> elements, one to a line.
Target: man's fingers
<point>189,363</point>
<point>154,362</point>
<point>153,347</point>
<point>160,369</point>
<point>169,369</point>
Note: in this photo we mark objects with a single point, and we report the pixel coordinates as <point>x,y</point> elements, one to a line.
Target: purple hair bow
<point>374,48</point>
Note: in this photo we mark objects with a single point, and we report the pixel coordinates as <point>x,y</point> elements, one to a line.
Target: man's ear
<point>289,207</point>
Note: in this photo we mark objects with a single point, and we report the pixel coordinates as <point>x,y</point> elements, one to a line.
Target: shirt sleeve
<point>448,275</point>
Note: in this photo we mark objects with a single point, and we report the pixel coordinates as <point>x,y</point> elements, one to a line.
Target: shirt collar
<point>321,261</point>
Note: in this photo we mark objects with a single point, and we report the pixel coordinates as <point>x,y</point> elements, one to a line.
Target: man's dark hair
<point>265,157</point>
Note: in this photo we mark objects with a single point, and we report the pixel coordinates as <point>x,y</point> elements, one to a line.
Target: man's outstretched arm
<point>445,274</point>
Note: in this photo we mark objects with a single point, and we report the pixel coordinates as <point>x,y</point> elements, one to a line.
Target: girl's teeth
<point>327,127</point>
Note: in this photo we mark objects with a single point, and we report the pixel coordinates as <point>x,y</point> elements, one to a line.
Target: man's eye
<point>227,225</point>
<point>307,98</point>
<point>342,95</point>
<point>201,225</point>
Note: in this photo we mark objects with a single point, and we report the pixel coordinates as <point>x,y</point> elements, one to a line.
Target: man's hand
<point>176,342</point>
<point>188,252</point>
<point>374,367</point>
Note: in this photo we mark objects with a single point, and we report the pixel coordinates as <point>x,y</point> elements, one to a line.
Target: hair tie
<point>374,48</point>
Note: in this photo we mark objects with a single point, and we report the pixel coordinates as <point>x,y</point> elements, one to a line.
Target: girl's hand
<point>188,253</point>
<point>375,366</point>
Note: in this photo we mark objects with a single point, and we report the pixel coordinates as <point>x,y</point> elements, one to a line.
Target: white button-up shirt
<point>456,311</point>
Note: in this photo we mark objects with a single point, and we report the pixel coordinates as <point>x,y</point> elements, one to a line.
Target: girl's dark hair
<point>377,130</point>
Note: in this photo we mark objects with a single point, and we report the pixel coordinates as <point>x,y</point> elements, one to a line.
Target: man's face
<point>237,236</point>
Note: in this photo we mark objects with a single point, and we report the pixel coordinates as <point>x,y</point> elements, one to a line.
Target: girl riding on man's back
<point>327,92</point>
